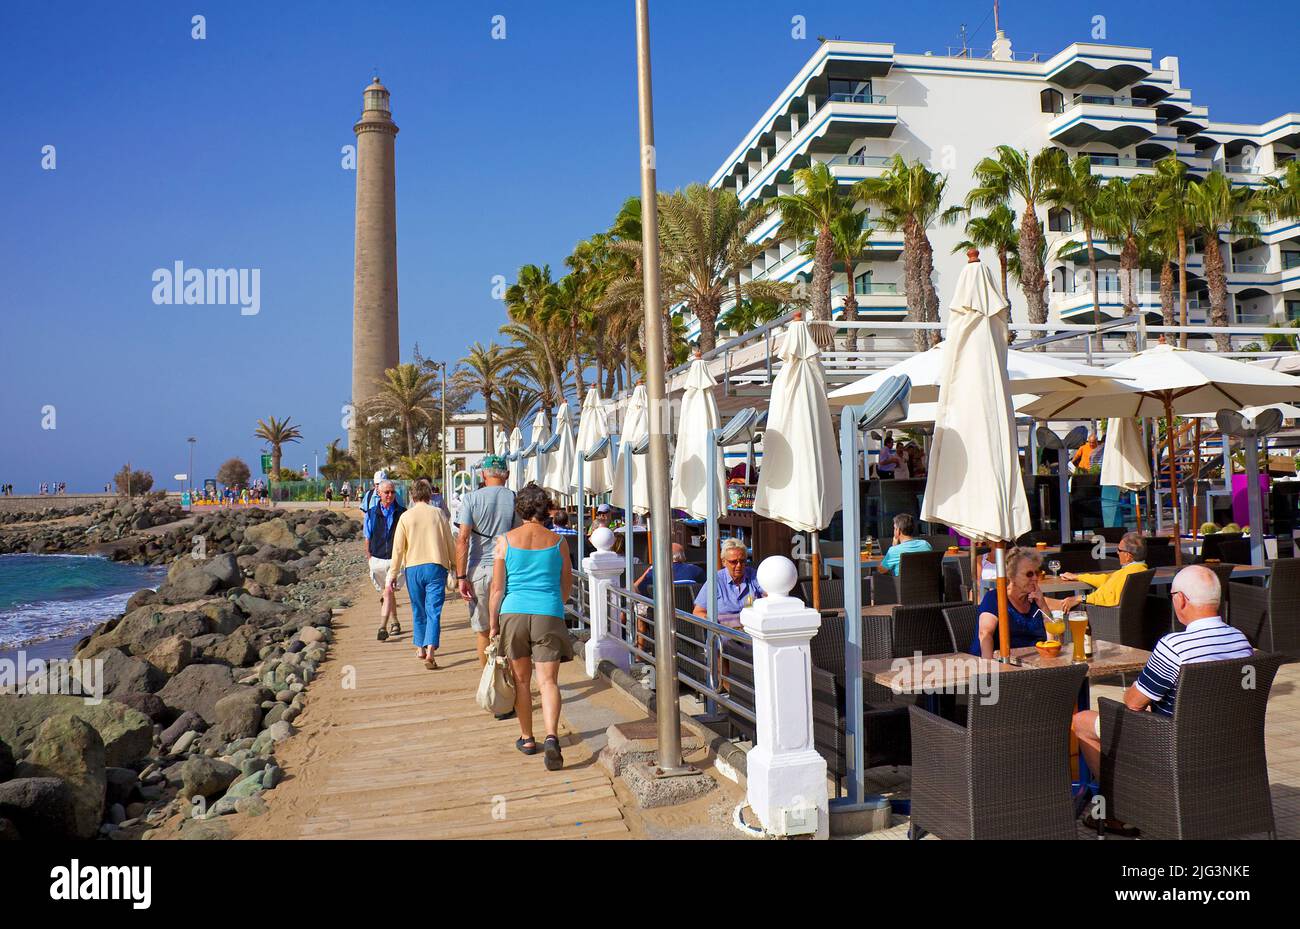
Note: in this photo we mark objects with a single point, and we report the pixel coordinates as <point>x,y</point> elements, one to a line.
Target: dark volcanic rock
<point>40,807</point>
<point>198,688</point>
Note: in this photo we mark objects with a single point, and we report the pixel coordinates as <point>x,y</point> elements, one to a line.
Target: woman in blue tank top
<point>531,581</point>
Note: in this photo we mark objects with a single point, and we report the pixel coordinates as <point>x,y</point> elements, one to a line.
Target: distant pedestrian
<point>347,493</point>
<point>482,517</point>
<point>381,530</point>
<point>531,581</point>
<point>329,493</point>
<point>423,548</point>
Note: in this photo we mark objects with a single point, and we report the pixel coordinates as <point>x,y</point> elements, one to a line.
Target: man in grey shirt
<point>482,516</point>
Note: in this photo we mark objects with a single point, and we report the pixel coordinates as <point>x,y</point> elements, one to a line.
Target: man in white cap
<point>371,496</point>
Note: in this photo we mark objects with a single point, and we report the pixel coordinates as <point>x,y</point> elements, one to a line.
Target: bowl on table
<point>1048,649</point>
<point>1041,546</point>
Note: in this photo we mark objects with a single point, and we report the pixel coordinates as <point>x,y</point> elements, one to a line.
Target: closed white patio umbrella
<point>597,476</point>
<point>799,483</point>
<point>500,445</point>
<point>541,434</point>
<point>559,463</point>
<point>974,482</point>
<point>636,427</point>
<point>691,480</point>
<point>1125,463</point>
<point>516,479</point>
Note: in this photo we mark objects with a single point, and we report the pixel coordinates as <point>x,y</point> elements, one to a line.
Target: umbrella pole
<point>975,572</point>
<point>1137,508</point>
<point>1173,482</point>
<point>816,571</point>
<point>1196,481</point>
<point>1004,621</point>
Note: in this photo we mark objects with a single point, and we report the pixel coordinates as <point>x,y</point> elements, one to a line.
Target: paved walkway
<point>406,753</point>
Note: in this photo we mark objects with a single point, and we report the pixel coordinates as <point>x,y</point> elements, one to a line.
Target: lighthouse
<point>374,283</point>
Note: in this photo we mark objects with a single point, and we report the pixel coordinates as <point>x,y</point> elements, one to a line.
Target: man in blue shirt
<point>904,530</point>
<point>380,526</point>
<point>737,585</point>
<point>683,572</point>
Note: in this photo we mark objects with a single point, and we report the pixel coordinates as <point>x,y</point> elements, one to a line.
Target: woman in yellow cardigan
<point>422,546</point>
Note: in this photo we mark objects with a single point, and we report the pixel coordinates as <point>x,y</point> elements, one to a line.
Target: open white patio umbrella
<point>1027,373</point>
<point>1168,381</point>
<point>541,434</point>
<point>636,427</point>
<point>691,482</point>
<point>974,483</point>
<point>597,476</point>
<point>516,479</point>
<point>1288,410</point>
<point>559,463</point>
<point>799,483</point>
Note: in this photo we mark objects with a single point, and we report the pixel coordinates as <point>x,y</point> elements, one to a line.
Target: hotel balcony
<point>1116,166</point>
<point>1109,65</point>
<point>836,123</point>
<point>1244,175</point>
<point>1111,121</point>
<point>849,169</point>
<point>1075,306</point>
<point>875,301</point>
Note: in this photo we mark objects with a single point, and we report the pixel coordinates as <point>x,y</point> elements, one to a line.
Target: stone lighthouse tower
<point>374,285</point>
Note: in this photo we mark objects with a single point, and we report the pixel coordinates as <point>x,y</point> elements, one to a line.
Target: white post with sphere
<point>603,567</point>
<point>787,777</point>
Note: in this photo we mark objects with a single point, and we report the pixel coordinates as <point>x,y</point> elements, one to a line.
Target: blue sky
<point>225,152</point>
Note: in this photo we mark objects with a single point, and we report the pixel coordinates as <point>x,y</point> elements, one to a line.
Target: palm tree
<point>278,433</point>
<point>426,464</point>
<point>1122,213</point>
<point>406,395</point>
<point>483,372</point>
<point>910,196</point>
<point>514,404</point>
<point>1214,205</point>
<point>1280,196</point>
<point>1174,215</point>
<point>565,305</point>
<point>339,463</point>
<point>703,234</point>
<point>1009,173</point>
<point>748,315</point>
<point>526,302</point>
<point>996,229</point>
<point>1077,189</point>
<point>850,236</point>
<point>810,214</point>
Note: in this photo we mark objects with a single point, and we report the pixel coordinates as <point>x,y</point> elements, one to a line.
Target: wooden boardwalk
<point>406,754</point>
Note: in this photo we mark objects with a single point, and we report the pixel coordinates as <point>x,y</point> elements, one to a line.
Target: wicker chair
<point>1112,534</point>
<point>1129,622</point>
<point>1159,555</point>
<point>962,621</point>
<point>1270,616</point>
<point>919,628</point>
<point>828,725</point>
<point>920,580</point>
<point>1230,547</point>
<point>1076,557</point>
<point>1202,773</point>
<point>831,590</point>
<point>1006,773</point>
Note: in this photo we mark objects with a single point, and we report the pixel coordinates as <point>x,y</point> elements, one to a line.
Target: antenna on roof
<point>997,26</point>
<point>962,32</point>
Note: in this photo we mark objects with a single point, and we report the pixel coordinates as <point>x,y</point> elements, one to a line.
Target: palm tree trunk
<point>851,309</point>
<point>1092,271</point>
<point>1167,292</point>
<point>914,278</point>
<point>823,268</point>
<point>1003,268</point>
<point>1128,272</point>
<point>1182,286</point>
<point>707,315</point>
<point>275,460</point>
<point>1215,277</point>
<point>1032,276</point>
<point>410,438</point>
<point>490,425</point>
<point>932,336</point>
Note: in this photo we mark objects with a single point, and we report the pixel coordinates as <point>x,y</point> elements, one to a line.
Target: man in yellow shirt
<point>1132,558</point>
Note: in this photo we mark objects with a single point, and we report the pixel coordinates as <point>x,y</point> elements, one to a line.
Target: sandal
<point>431,664</point>
<point>554,760</point>
<point>383,634</point>
<point>527,746</point>
<point>395,628</point>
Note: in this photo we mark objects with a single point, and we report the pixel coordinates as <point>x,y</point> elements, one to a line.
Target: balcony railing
<point>867,289</point>
<point>1104,100</point>
<point>958,51</point>
<point>856,98</point>
<point>861,161</point>
<point>1115,161</point>
<point>1250,267</point>
<point>1241,169</point>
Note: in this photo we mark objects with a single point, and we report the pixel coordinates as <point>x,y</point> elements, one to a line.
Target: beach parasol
<point>974,482</point>
<point>636,429</point>
<point>540,436</point>
<point>598,477</point>
<point>1125,463</point>
<point>499,445</point>
<point>695,456</point>
<point>799,482</point>
<point>558,478</point>
<point>516,480</point>
<point>1027,373</point>
<point>1167,381</point>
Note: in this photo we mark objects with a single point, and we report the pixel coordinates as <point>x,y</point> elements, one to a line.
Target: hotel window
<point>460,437</point>
<point>862,283</point>
<point>849,89</point>
<point>1293,310</point>
<point>1051,101</point>
<point>1059,220</point>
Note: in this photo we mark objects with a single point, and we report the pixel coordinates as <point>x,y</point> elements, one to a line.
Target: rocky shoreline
<point>201,679</point>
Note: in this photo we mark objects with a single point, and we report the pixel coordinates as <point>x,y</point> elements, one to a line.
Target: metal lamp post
<point>1250,431</point>
<point>192,440</point>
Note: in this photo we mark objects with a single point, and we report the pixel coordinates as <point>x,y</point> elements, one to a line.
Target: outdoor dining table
<point>1108,660</point>
<point>1164,576</point>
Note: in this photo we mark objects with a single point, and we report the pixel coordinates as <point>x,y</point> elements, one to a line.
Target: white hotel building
<point>856,104</point>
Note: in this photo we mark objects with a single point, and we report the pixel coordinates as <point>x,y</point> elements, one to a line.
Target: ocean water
<point>44,597</point>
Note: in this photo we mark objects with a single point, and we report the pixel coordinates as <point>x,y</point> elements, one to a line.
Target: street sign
<point>179,477</point>
<point>266,464</point>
